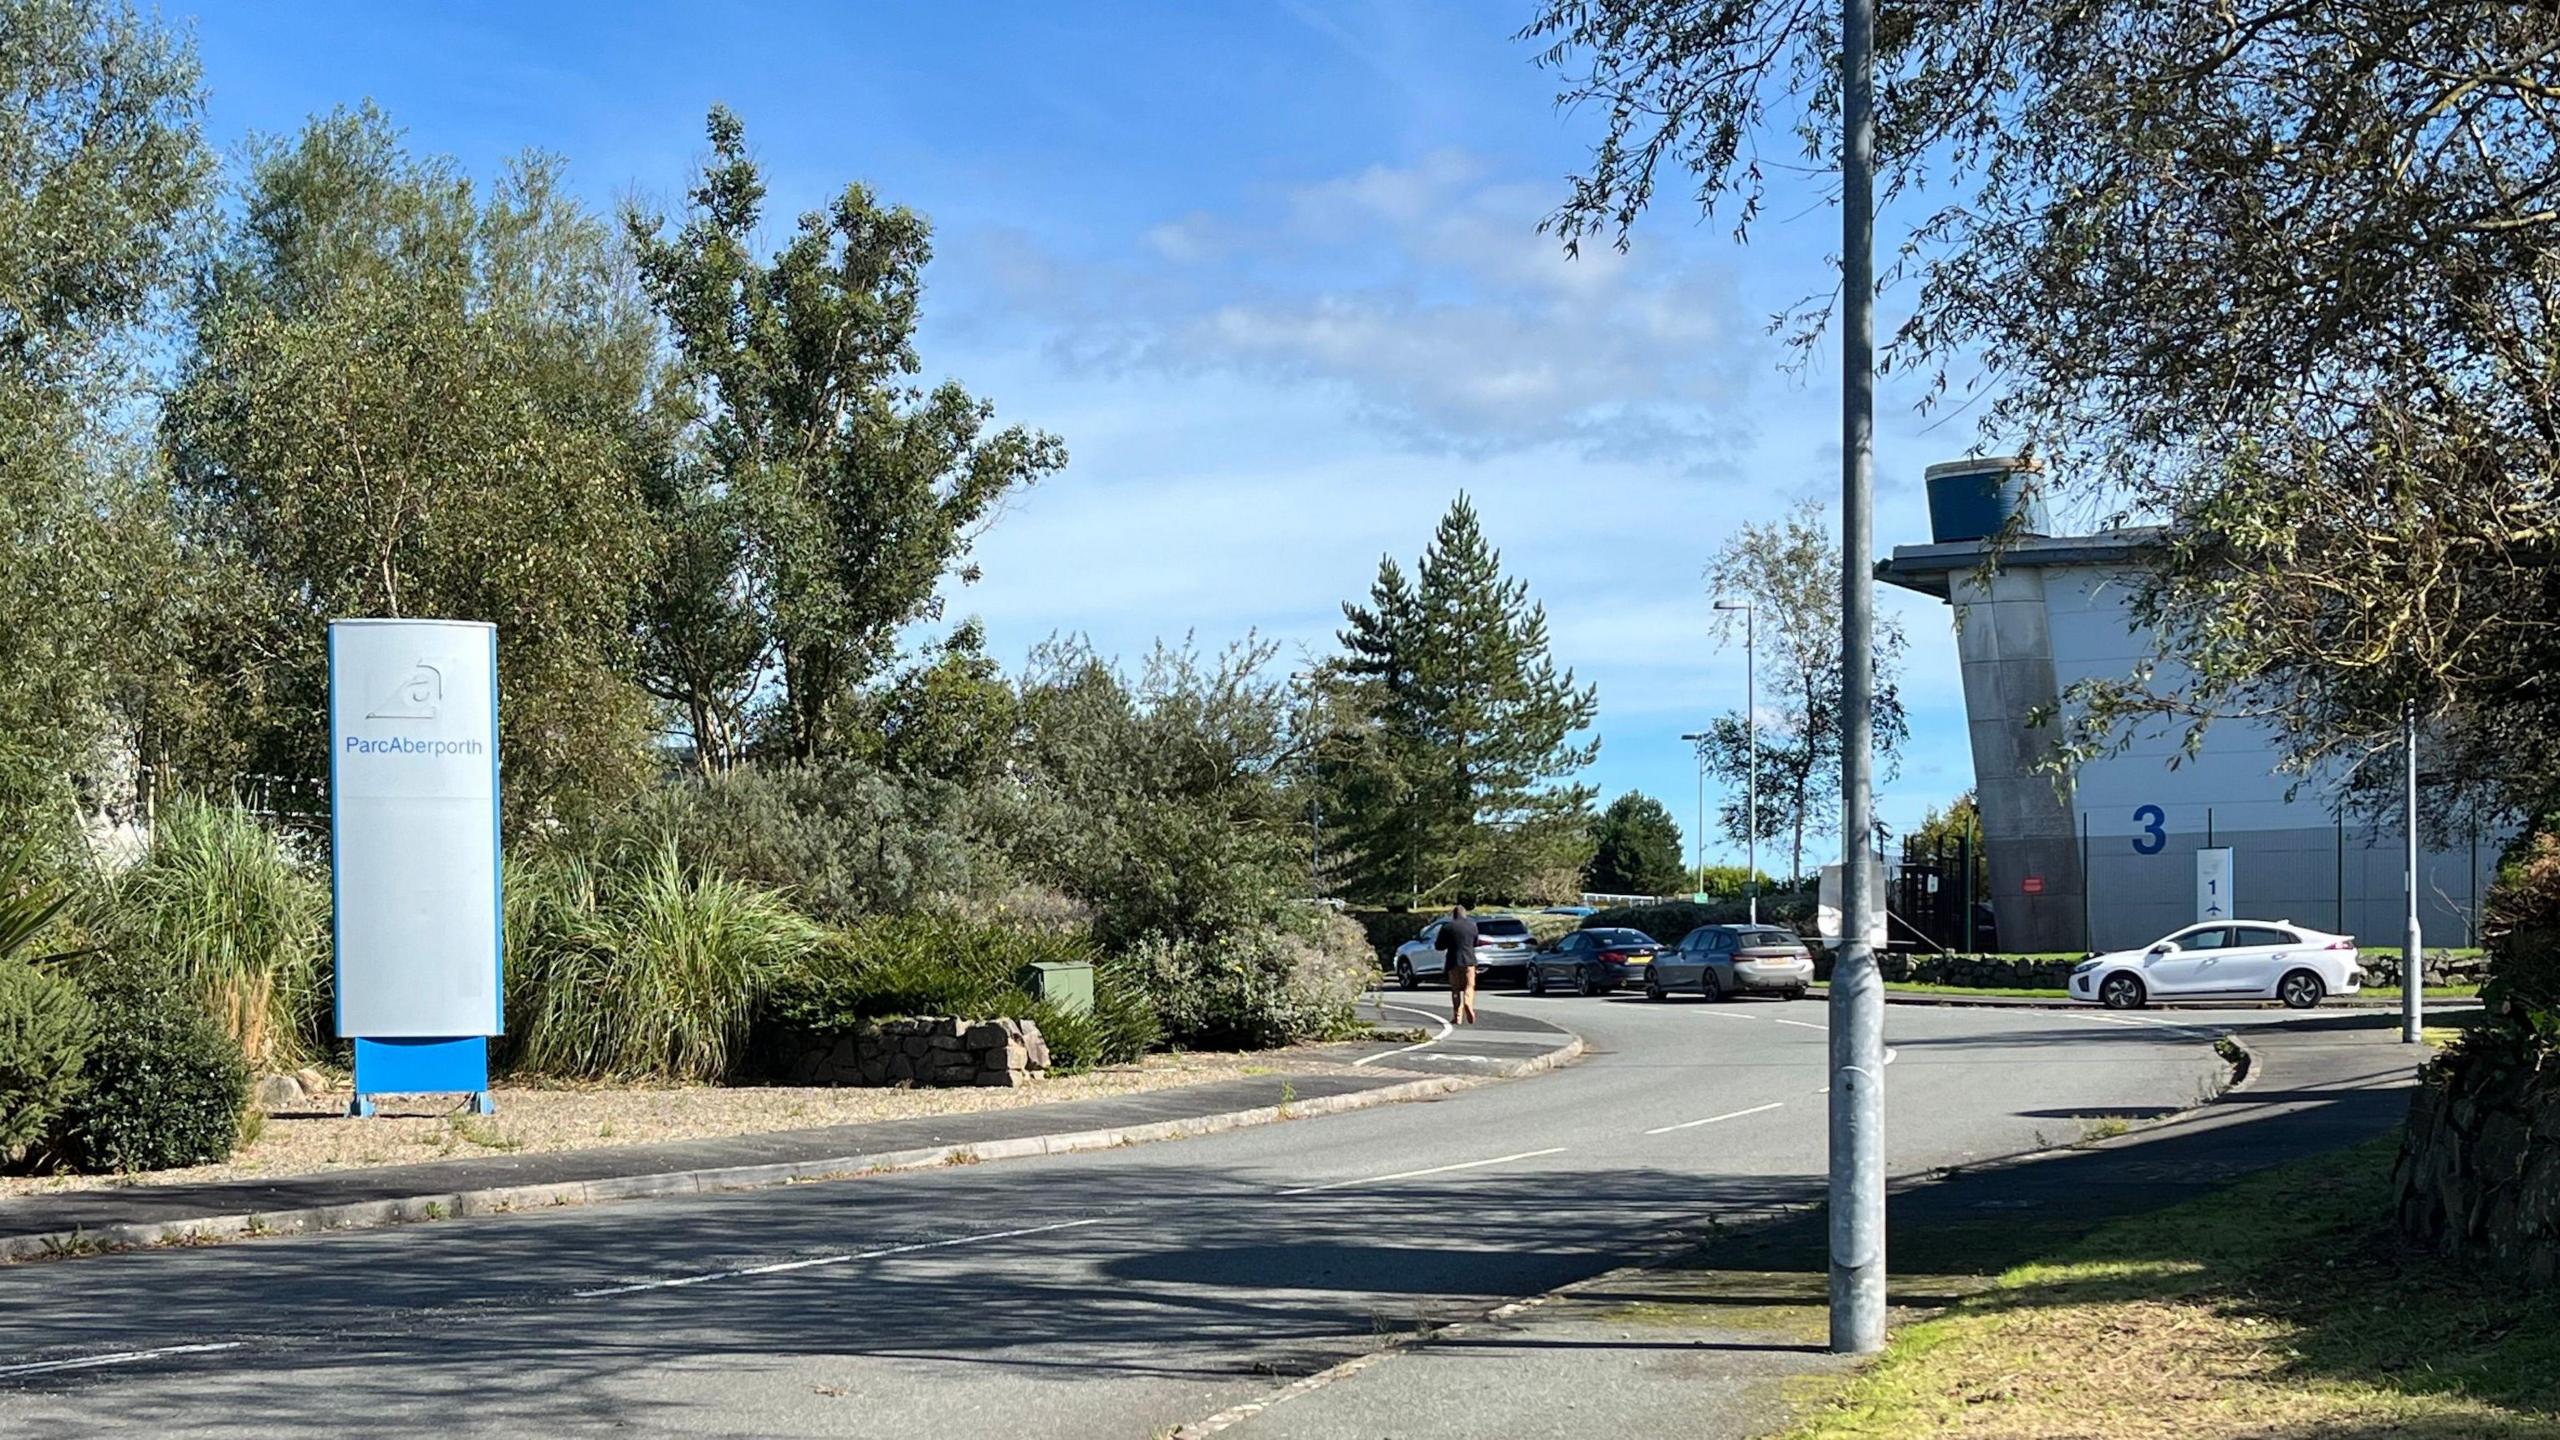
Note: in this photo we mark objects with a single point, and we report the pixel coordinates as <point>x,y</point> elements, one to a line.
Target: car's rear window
<point>1503,926</point>
<point>1622,937</point>
<point>1767,937</point>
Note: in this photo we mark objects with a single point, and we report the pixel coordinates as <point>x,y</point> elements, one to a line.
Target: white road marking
<point>1799,1024</point>
<point>120,1357</point>
<point>2141,1021</point>
<point>1712,1119</point>
<point>1445,1028</point>
<point>1418,1174</point>
<point>780,1267</point>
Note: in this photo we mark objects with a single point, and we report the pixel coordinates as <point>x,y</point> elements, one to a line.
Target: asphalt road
<point>1119,1294</point>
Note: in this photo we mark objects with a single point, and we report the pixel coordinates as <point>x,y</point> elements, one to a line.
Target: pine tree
<point>1458,777</point>
<point>1639,848</point>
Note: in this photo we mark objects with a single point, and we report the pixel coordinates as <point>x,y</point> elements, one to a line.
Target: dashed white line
<point>1418,1174</point>
<point>2143,1021</point>
<point>1712,1119</point>
<point>1799,1024</point>
<point>1445,1028</point>
<point>784,1266</point>
<point>120,1357</point>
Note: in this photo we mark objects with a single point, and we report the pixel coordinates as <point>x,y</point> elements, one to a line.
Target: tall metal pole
<point>1315,845</point>
<point>2413,947</point>
<point>1857,992</point>
<point>1751,726</point>
<point>1698,741</point>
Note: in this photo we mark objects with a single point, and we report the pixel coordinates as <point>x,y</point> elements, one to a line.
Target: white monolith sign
<point>2213,884</point>
<point>413,820</point>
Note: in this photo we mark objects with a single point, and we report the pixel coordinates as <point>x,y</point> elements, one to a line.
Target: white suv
<point>1503,947</point>
<point>2225,960</point>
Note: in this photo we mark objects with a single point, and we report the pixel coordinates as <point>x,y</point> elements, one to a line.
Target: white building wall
<point>2146,810</point>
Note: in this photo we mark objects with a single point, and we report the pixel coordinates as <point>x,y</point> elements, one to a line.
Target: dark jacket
<point>1458,939</point>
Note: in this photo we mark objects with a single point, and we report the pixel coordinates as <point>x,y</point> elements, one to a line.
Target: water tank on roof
<point>1973,499</point>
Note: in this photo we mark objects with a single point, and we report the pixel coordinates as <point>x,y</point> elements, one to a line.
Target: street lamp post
<point>2413,945</point>
<point>1698,742</point>
<point>1857,990</point>
<point>1751,727</point>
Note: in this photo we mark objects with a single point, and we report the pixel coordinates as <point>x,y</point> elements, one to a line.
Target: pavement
<point>1279,1276</point>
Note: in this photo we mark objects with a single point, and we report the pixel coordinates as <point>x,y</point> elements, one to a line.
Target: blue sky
<point>1272,273</point>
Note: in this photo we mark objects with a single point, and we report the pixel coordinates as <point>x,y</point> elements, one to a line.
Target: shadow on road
<point>1183,1274</point>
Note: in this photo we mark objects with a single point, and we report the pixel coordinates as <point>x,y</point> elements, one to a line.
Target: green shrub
<point>165,1085</point>
<point>943,963</point>
<point>45,1034</point>
<point>2520,926</point>
<point>640,967</point>
<point>1667,921</point>
<point>1277,985</point>
<point>1670,920</point>
<point>238,923</point>
<point>842,837</point>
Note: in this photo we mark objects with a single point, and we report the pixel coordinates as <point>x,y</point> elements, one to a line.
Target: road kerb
<point>507,1199</point>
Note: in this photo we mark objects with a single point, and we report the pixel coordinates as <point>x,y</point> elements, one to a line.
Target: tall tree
<point>826,494</point>
<point>102,176</point>
<point>1788,569</point>
<point>1466,778</point>
<point>1638,848</point>
<point>2279,277</point>
<point>411,398</point>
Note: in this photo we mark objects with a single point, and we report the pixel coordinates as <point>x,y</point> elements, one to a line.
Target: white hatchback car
<point>2225,960</point>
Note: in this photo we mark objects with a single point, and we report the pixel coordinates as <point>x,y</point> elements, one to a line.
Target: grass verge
<point>1914,987</point>
<point>2283,1306</point>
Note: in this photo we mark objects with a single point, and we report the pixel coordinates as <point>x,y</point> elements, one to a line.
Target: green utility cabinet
<point>1067,984</point>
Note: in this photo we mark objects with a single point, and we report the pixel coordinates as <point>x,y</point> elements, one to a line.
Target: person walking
<point>1458,942</point>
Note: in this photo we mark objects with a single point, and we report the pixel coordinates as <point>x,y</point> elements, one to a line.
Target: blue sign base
<point>423,1067</point>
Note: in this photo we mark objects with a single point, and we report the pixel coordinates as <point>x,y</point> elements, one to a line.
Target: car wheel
<point>1404,974</point>
<point>1710,988</point>
<point>2300,990</point>
<point>1653,989</point>
<point>1799,992</point>
<point>1537,980</point>
<point>1589,981</point>
<point>2121,991</point>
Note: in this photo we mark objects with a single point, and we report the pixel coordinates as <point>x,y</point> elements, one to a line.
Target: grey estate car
<point>1715,961</point>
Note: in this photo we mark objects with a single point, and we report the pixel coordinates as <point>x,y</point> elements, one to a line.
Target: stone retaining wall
<point>2479,1167</point>
<point>1975,971</point>
<point>2441,968</point>
<point>934,1050</point>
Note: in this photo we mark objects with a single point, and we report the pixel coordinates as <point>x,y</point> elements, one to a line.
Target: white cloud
<point>1424,296</point>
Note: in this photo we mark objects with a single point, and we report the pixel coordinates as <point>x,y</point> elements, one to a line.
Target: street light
<point>1857,991</point>
<point>1698,882</point>
<point>2413,944</point>
<point>1315,797</point>
<point>1751,770</point>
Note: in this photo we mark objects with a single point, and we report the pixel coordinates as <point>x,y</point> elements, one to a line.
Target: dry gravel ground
<point>321,1137</point>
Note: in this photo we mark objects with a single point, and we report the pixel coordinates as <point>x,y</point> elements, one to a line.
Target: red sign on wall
<point>2033,885</point>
